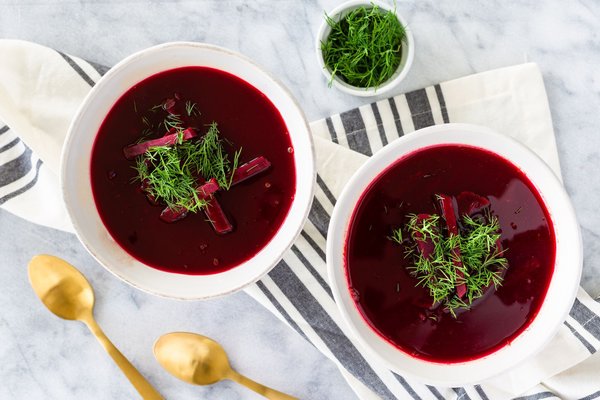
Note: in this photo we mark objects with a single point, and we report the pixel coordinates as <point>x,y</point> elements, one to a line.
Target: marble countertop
<point>44,357</point>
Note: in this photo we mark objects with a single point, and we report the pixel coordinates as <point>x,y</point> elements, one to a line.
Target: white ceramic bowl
<point>563,286</point>
<point>406,60</point>
<point>75,170</point>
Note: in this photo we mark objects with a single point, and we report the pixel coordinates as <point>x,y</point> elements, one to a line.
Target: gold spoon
<point>66,292</point>
<point>199,360</point>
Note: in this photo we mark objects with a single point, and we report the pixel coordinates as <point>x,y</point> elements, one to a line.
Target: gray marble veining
<point>46,358</point>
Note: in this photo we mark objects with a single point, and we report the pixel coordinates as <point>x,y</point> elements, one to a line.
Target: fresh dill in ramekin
<point>364,48</point>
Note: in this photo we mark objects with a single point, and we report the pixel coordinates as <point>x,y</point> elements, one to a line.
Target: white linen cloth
<point>41,89</point>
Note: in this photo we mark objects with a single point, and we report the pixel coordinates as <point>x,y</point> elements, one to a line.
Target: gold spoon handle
<point>137,380</point>
<point>269,393</point>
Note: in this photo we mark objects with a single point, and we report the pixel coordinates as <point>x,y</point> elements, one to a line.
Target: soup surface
<point>378,272</point>
<point>256,207</point>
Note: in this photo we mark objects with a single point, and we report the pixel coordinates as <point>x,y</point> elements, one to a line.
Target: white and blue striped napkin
<point>40,90</point>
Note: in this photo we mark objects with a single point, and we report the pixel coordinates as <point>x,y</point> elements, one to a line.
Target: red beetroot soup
<point>256,207</point>
<point>387,294</point>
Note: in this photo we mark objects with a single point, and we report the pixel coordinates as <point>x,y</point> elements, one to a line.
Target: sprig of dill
<point>169,176</point>
<point>436,272</point>
<point>482,258</point>
<point>216,163</point>
<point>191,109</point>
<point>173,121</point>
<point>364,47</point>
<point>481,262</point>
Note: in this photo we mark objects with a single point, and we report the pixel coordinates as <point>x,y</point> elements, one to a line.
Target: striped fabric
<point>297,289</point>
<point>19,167</point>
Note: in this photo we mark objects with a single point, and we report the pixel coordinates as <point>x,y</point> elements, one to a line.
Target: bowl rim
<point>400,73</point>
<point>84,108</point>
<point>477,370</point>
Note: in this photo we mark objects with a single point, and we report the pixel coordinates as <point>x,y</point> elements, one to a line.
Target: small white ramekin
<point>408,51</point>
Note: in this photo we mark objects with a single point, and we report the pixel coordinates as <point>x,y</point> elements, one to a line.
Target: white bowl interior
<point>406,59</point>
<point>75,170</point>
<point>563,286</point>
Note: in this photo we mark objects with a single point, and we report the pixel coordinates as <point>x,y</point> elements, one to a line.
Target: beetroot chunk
<point>134,150</point>
<point>470,203</point>
<point>169,105</point>
<point>216,216</point>
<point>426,246</point>
<point>204,193</point>
<point>449,213</point>
<point>461,289</point>
<point>447,206</point>
<point>172,215</point>
<point>145,188</point>
<point>250,169</point>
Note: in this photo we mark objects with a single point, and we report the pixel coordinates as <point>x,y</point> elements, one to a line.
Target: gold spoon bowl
<point>199,360</point>
<point>66,292</point>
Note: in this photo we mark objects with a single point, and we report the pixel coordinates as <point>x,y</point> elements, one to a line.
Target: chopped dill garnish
<point>441,262</point>
<point>397,236</point>
<point>157,107</point>
<point>191,109</point>
<point>166,169</point>
<point>364,47</point>
<point>216,163</point>
<point>173,121</point>
<point>481,255</point>
<point>171,172</point>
